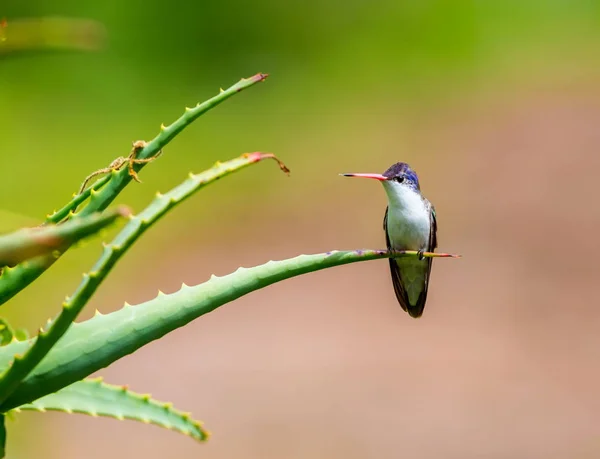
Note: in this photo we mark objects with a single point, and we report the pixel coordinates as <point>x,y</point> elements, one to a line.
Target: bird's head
<point>397,175</point>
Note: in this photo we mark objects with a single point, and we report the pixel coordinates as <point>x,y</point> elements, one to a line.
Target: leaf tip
<point>259,77</point>
<point>258,156</point>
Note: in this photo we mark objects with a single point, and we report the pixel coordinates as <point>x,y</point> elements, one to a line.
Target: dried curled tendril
<point>130,160</point>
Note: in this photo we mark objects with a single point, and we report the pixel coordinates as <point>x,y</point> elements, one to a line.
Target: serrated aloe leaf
<point>32,242</point>
<point>96,343</point>
<point>137,225</point>
<point>109,188</point>
<point>96,398</point>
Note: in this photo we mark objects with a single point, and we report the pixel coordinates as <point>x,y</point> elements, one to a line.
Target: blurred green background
<point>496,104</point>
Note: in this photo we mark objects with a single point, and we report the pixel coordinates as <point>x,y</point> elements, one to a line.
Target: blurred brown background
<point>495,104</point>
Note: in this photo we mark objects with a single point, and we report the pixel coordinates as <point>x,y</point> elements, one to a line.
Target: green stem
<point>89,346</point>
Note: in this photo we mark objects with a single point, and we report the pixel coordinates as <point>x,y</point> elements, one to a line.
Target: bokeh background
<point>496,104</point>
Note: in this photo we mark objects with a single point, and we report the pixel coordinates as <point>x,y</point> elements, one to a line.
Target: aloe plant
<point>50,371</point>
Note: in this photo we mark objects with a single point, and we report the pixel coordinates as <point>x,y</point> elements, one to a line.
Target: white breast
<point>408,217</point>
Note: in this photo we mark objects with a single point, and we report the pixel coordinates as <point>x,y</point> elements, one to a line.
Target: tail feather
<point>414,310</point>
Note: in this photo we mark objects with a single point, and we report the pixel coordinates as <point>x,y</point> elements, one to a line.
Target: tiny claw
<point>420,255</point>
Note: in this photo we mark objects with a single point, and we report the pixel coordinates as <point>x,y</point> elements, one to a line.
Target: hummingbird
<point>409,224</point>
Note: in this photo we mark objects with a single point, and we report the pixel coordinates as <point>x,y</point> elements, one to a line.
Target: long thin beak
<point>381,178</point>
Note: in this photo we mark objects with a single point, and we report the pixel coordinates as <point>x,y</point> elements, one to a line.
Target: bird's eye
<point>399,179</point>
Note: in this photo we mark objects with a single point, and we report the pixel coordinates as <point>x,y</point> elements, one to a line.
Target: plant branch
<point>89,346</point>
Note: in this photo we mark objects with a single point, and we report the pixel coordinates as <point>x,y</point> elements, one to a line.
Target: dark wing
<point>432,238</point>
<point>416,310</point>
<point>401,294</point>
